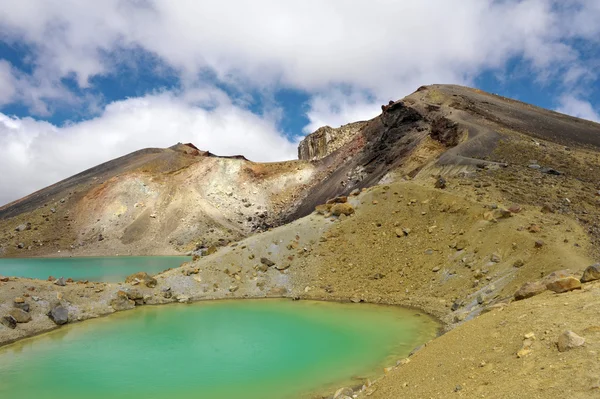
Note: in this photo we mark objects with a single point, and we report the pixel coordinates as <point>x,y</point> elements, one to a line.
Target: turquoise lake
<point>105,269</point>
<point>252,349</point>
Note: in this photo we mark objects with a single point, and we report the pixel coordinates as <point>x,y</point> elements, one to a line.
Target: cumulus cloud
<point>374,45</point>
<point>350,56</point>
<point>36,153</point>
<point>572,105</point>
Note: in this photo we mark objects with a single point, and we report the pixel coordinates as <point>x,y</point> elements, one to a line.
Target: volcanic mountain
<point>181,199</point>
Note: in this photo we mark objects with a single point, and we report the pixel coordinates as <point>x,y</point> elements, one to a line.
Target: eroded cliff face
<point>326,140</point>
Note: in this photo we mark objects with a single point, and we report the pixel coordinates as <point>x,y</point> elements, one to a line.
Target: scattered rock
<point>435,269</point>
<point>342,209</point>
<point>529,289</point>
<point>4,279</point>
<point>323,209</point>
<point>8,321</point>
<point>337,200</point>
<point>183,298</point>
<point>440,183</point>
<point>547,208</point>
<point>60,282</point>
<point>23,227</point>
<point>538,244</point>
<point>495,258</point>
<point>564,284</point>
<point>343,393</point>
<point>355,192</point>
<point>20,315</point>
<point>20,245</point>
<point>142,277</point>
<point>19,300</point>
<point>518,263</point>
<point>59,315</point>
<point>515,209</point>
<point>525,350</point>
<point>233,288</point>
<point>283,266</point>
<point>267,262</point>
<point>569,340</point>
<point>461,244</point>
<point>591,273</point>
<point>209,251</point>
<point>21,305</point>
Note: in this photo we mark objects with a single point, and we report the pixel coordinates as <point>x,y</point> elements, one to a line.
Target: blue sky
<point>82,82</point>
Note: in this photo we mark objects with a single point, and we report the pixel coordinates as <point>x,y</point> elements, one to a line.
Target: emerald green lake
<point>105,269</point>
<point>252,349</point>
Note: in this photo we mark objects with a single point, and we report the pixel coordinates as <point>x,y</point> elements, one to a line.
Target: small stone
<point>60,282</point>
<point>435,269</point>
<point>20,315</point>
<point>538,244</point>
<point>461,244</point>
<point>142,277</point>
<point>515,209</point>
<point>343,392</point>
<point>569,340</point>
<point>495,258</point>
<point>529,289</point>
<point>518,263</point>
<point>267,262</point>
<point>440,183</point>
<point>342,209</point>
<point>547,208</point>
<point>564,285</point>
<point>282,266</point>
<point>8,321</point>
<point>19,300</point>
<point>591,273</point>
<point>21,305</point>
<point>233,288</point>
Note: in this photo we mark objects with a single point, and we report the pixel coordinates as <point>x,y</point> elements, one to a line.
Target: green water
<point>252,349</point>
<point>105,269</point>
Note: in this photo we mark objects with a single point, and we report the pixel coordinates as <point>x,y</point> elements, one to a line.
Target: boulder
<point>142,277</point>
<point>564,284</point>
<point>556,275</point>
<point>591,273</point>
<point>342,209</point>
<point>59,315</point>
<point>569,340</point>
<point>20,315</point>
<point>8,321</point>
<point>122,302</point>
<point>530,289</point>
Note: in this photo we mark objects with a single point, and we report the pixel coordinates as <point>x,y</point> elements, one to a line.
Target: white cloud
<point>376,50</point>
<point>374,45</point>
<point>37,154</point>
<point>572,105</point>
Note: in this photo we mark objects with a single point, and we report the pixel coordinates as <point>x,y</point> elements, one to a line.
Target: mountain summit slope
<point>181,199</point>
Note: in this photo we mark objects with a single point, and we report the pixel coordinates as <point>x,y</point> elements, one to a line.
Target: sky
<point>83,81</point>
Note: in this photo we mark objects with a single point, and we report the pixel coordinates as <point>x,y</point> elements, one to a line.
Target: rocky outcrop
<point>326,140</point>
